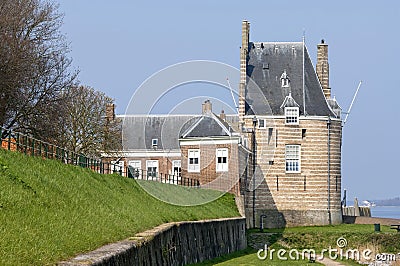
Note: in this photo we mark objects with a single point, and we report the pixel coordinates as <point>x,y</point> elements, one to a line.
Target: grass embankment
<point>50,211</point>
<point>359,237</point>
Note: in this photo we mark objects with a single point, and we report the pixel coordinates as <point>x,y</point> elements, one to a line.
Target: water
<point>386,211</point>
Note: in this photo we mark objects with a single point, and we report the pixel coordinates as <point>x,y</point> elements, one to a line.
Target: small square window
<point>292,115</point>
<point>261,123</point>
<point>154,142</point>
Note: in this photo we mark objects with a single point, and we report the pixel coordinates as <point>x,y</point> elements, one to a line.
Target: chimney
<point>323,68</point>
<point>206,107</point>
<point>110,111</point>
<point>222,115</point>
<point>243,64</point>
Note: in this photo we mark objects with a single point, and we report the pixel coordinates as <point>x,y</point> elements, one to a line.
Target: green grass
<point>249,257</point>
<point>50,211</point>
<point>358,237</point>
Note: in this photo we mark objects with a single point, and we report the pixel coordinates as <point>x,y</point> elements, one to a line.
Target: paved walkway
<point>327,261</point>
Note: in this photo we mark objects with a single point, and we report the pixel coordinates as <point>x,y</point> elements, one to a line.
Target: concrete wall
<point>171,244</point>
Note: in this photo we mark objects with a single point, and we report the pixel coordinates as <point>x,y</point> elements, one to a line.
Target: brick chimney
<point>323,68</point>
<point>206,107</point>
<point>110,111</point>
<point>222,115</point>
<point>243,63</point>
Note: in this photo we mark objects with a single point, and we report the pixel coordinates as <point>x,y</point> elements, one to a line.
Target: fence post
<point>9,139</point>
<point>26,145</point>
<point>40,148</point>
<point>17,141</point>
<point>33,147</point>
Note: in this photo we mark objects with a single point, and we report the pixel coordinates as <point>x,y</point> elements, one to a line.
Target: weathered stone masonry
<point>171,244</point>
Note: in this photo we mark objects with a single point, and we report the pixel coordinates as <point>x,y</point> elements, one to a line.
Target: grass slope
<point>50,211</point>
<point>358,237</point>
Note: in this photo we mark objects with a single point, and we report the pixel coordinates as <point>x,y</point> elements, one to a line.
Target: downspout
<point>254,170</point>
<point>329,170</point>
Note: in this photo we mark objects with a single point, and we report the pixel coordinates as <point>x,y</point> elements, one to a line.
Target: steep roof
<point>207,125</point>
<point>267,65</point>
<point>139,130</point>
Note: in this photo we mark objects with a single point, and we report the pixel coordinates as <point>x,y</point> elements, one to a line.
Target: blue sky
<point>118,45</point>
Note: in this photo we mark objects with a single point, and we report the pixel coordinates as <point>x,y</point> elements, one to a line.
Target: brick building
<point>297,135</point>
<point>281,155</point>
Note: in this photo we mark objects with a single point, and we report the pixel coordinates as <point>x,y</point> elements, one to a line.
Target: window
<point>134,169</point>
<point>176,167</point>
<point>292,156</point>
<point>222,160</point>
<point>152,168</point>
<point>292,115</point>
<point>117,167</point>
<point>261,123</point>
<point>285,81</point>
<point>193,160</point>
<point>154,142</point>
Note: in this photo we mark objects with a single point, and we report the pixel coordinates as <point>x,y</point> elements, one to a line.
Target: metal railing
<point>16,141</point>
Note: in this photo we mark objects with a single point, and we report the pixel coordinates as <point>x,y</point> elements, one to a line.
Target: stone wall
<point>171,244</point>
<point>291,199</point>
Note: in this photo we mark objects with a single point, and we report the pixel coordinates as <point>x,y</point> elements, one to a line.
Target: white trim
<point>299,158</point>
<point>134,162</point>
<point>120,166</point>
<point>225,154</point>
<point>212,116</point>
<point>216,118</point>
<point>264,122</point>
<point>205,141</point>
<point>292,113</point>
<point>192,127</point>
<point>152,164</point>
<point>156,115</point>
<point>196,166</point>
<point>301,117</point>
<point>133,154</point>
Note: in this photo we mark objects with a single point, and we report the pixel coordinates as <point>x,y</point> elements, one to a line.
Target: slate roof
<point>207,125</point>
<point>139,130</point>
<point>266,62</point>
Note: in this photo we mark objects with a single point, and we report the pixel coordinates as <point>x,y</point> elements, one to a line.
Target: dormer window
<point>154,142</point>
<point>292,115</point>
<point>285,81</point>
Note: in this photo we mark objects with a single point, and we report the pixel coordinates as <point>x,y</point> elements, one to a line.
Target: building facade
<point>296,177</point>
<point>281,155</point>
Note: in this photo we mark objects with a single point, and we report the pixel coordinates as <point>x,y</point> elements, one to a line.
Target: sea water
<point>386,211</point>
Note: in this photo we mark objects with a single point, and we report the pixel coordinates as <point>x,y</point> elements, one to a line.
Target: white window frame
<point>136,165</point>
<point>194,167</point>
<point>154,142</point>
<point>176,168</point>
<point>152,164</point>
<point>293,158</point>
<point>262,123</point>
<point>291,115</point>
<point>221,165</point>
<point>285,81</point>
<point>118,167</point>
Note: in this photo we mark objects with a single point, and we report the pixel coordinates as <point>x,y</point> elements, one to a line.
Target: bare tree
<point>34,67</point>
<point>87,127</point>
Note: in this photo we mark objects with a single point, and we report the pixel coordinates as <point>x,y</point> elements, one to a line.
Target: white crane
<point>352,102</point>
<point>233,96</point>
